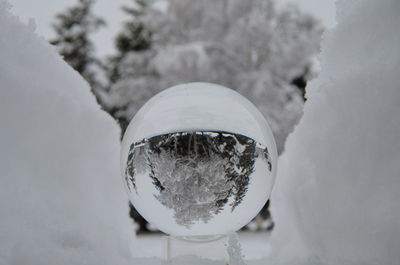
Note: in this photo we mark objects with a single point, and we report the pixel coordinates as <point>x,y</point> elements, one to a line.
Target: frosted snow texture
<point>61,198</point>
<point>205,174</point>
<point>196,173</point>
<point>337,195</point>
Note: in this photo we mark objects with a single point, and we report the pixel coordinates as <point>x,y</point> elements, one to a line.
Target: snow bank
<point>336,199</point>
<point>61,197</point>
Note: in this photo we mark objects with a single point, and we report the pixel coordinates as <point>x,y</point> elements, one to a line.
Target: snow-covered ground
<point>337,193</point>
<point>255,246</point>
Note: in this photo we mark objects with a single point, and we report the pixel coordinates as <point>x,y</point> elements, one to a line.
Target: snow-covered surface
<point>336,199</point>
<point>61,196</point>
<point>255,248</point>
<point>337,193</point>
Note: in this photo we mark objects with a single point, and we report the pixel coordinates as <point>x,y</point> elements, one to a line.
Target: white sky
<point>43,11</point>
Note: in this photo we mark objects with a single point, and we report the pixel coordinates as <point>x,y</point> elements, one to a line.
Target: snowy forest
<point>330,97</point>
<point>265,53</point>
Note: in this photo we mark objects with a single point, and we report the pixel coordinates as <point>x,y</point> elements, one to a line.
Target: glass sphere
<point>198,159</point>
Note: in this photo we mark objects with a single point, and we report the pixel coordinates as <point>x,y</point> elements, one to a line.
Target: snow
<point>61,195</point>
<point>337,191</point>
<point>255,247</point>
<point>336,196</point>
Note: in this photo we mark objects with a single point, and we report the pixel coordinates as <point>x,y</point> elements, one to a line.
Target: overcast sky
<point>43,11</point>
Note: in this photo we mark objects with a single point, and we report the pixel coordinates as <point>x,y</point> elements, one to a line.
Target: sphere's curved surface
<point>198,159</point>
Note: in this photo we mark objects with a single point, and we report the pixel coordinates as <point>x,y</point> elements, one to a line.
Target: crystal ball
<point>198,159</point>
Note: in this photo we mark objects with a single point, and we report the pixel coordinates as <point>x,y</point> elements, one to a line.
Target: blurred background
<point>129,50</point>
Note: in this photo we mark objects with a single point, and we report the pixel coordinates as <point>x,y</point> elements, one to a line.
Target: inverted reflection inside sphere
<point>199,172</point>
<point>196,173</point>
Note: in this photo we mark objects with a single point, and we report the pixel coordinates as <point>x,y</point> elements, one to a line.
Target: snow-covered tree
<point>134,37</point>
<point>73,28</point>
<point>196,173</point>
<point>250,46</point>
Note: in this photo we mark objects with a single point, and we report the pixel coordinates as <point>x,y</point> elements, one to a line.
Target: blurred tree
<point>73,28</point>
<point>134,36</point>
<point>250,46</point>
<point>247,45</point>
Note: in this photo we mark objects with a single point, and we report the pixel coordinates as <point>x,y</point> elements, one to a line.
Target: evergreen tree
<point>134,36</point>
<point>251,46</point>
<point>73,28</point>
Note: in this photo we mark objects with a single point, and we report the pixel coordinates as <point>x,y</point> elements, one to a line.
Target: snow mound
<point>61,197</point>
<point>336,199</point>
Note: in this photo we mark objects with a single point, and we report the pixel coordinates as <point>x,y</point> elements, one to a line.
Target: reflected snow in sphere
<point>198,159</point>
